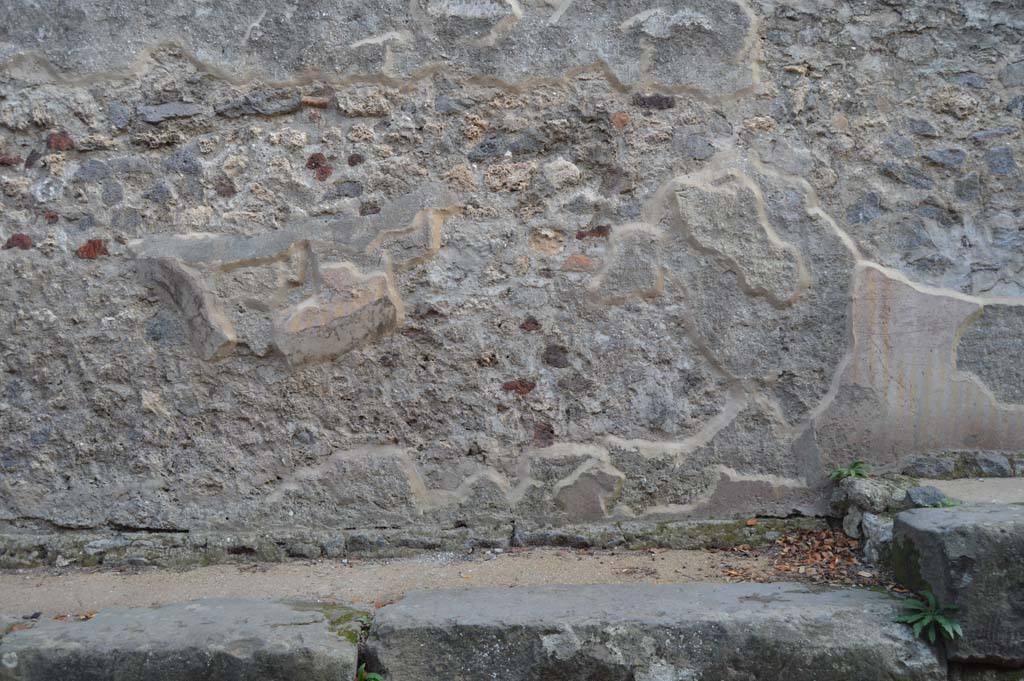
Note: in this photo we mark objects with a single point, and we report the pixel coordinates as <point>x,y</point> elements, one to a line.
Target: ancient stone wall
<point>498,266</point>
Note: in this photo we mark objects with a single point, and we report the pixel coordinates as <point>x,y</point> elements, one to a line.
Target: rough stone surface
<point>926,496</point>
<point>214,640</point>
<point>971,672</point>
<point>874,495</point>
<point>877,532</point>
<point>963,464</point>
<point>736,631</point>
<point>969,556</point>
<point>759,239</point>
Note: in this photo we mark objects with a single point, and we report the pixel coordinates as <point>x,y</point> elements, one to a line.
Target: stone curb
<point>784,632</point>
<point>208,640</point>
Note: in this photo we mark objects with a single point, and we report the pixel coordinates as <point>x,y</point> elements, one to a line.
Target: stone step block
<point>769,632</point>
<point>971,556</point>
<point>208,640</point>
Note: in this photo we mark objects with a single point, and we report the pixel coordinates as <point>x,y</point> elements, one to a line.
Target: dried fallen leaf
<point>752,522</point>
<point>20,626</point>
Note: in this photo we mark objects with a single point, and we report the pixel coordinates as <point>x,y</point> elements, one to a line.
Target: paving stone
<point>969,556</point>
<point>767,632</point>
<point>209,640</point>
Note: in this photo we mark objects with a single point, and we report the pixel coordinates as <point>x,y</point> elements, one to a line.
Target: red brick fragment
<point>318,102</point>
<point>22,241</point>
<point>92,249</point>
<point>620,119</point>
<point>323,172</point>
<point>578,262</point>
<point>59,141</point>
<point>598,232</point>
<point>355,159</point>
<point>520,386</point>
<point>10,161</point>
<point>316,160</point>
<point>530,324</point>
<point>51,217</point>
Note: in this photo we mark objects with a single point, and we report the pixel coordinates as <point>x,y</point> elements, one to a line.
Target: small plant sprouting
<point>857,469</point>
<point>945,503</point>
<point>927,616</point>
<point>363,675</point>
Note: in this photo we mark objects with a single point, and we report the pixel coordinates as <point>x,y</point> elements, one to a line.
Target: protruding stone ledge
<point>186,548</point>
<point>709,631</point>
<point>198,641</point>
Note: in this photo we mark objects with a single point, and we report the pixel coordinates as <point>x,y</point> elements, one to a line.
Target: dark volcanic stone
<point>158,113</point>
<point>768,632</point>
<point>263,103</point>
<point>208,639</point>
<point>947,158</point>
<point>654,101</point>
<point>346,189</point>
<point>867,208</point>
<point>969,556</point>
<point>1000,161</point>
<point>921,127</point>
<point>908,175</point>
<point>556,355</point>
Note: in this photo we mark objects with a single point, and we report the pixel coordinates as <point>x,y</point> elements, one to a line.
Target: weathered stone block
<point>877,531</point>
<point>351,309</point>
<point>708,631</point>
<point>209,640</point>
<point>876,495</point>
<point>969,556</point>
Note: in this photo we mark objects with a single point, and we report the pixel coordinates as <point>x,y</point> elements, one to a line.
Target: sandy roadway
<point>53,591</point>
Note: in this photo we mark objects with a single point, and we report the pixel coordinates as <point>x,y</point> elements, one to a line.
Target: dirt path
<point>76,591</point>
<point>982,490</point>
